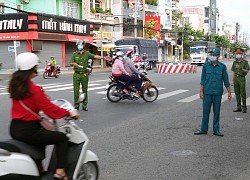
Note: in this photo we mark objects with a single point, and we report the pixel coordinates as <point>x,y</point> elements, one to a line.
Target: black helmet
<point>80,42</point>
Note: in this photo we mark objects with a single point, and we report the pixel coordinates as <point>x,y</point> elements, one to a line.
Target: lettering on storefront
<point>60,25</point>
<point>13,22</point>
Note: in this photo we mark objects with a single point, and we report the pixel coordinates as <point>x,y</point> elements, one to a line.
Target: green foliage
<point>92,10</point>
<point>99,10</point>
<point>149,30</point>
<point>151,2</point>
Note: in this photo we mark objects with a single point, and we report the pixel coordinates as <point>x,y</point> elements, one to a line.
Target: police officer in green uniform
<point>240,69</point>
<point>81,75</point>
<point>214,74</point>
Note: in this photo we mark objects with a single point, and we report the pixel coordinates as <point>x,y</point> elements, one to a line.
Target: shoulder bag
<point>45,123</point>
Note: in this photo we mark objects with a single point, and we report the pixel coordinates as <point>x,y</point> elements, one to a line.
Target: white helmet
<point>26,61</point>
<point>120,54</point>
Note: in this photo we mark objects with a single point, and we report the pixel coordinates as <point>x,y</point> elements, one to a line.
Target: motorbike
<point>148,91</point>
<point>82,163</point>
<point>48,71</point>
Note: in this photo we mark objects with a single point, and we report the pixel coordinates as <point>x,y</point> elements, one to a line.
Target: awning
<point>105,47</point>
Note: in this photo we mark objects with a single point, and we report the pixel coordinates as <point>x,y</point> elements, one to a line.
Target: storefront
<point>46,35</point>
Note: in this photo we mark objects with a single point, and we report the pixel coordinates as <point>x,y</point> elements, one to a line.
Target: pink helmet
<point>129,50</point>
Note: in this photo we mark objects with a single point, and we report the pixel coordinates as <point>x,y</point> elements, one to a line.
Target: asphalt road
<point>155,141</point>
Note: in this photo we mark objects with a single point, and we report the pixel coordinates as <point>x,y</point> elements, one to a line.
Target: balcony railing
<point>151,8</point>
<point>105,18</point>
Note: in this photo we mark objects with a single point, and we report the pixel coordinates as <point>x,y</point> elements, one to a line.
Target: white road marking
<point>248,101</point>
<point>172,93</point>
<point>225,97</point>
<point>71,87</point>
<point>190,98</point>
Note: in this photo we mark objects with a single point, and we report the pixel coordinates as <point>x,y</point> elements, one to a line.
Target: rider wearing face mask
<point>240,69</point>
<point>81,76</point>
<point>214,74</point>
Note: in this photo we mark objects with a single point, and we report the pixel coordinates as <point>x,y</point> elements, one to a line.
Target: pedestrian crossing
<point>98,87</point>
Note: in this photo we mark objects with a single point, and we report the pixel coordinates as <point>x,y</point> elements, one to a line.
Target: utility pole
<point>135,18</point>
<point>237,32</point>
<point>176,35</point>
<point>101,43</point>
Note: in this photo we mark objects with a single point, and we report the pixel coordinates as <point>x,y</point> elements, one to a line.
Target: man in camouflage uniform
<point>240,69</point>
<point>81,75</point>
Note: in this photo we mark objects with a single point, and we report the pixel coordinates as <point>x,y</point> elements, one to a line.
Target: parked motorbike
<point>148,91</point>
<point>82,163</point>
<point>48,71</point>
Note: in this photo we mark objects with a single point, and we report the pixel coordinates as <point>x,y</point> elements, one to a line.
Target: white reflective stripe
<point>172,93</point>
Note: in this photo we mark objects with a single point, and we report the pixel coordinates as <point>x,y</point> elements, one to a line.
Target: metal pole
<point>182,43</point>
<point>176,36</point>
<point>101,43</point>
<point>15,53</point>
<point>135,18</point>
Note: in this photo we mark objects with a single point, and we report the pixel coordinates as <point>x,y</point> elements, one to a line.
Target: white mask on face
<point>213,58</point>
<point>238,56</point>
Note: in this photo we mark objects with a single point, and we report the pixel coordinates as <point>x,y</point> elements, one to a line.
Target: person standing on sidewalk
<point>214,74</point>
<point>81,75</point>
<point>240,69</point>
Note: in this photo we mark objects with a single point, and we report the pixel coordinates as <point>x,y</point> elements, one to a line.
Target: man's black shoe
<point>200,132</point>
<point>244,111</point>
<point>85,109</point>
<point>218,134</point>
<point>237,110</point>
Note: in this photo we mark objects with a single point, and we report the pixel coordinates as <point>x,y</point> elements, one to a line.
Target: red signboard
<point>157,27</point>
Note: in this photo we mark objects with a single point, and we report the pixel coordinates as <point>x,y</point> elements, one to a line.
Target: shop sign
<point>100,34</point>
<point>13,22</point>
<point>60,24</point>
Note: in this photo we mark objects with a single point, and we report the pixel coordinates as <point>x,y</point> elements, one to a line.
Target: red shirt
<point>37,101</point>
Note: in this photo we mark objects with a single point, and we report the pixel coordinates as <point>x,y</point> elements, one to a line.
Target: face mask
<point>213,58</point>
<point>121,58</point>
<point>238,56</point>
<point>80,47</point>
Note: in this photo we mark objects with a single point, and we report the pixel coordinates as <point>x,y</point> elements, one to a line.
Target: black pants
<point>32,133</point>
<point>125,78</point>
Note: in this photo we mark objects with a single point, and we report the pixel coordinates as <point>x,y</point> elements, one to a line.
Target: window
<point>71,9</point>
<point>206,9</point>
<point>1,8</point>
<point>94,4</point>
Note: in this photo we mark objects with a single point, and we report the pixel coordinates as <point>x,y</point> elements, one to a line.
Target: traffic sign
<point>11,48</point>
<point>18,43</point>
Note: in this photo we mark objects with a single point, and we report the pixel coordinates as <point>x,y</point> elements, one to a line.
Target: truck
<point>144,47</point>
<point>199,51</point>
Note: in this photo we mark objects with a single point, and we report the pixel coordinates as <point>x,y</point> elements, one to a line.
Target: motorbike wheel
<point>114,93</point>
<point>88,171</point>
<point>56,75</point>
<point>45,75</point>
<point>150,94</point>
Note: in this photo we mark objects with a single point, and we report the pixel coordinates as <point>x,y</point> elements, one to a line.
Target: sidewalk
<point>5,73</point>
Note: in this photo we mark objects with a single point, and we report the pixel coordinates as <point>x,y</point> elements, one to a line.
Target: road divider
<point>176,68</point>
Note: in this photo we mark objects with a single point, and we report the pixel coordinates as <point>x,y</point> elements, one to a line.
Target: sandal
<point>60,177</point>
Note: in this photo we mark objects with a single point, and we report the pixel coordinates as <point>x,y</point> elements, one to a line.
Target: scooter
<point>148,91</point>
<point>48,72</point>
<point>18,159</point>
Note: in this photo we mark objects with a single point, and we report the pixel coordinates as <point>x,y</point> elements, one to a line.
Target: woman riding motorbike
<point>25,125</point>
<point>120,73</point>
